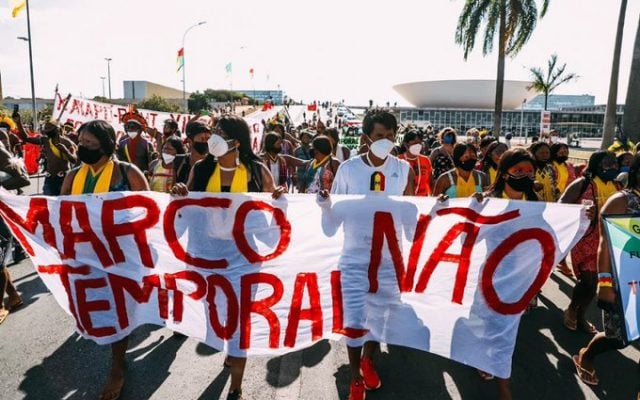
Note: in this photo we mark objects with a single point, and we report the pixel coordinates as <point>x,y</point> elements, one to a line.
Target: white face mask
<point>217,146</point>
<point>132,134</point>
<point>415,149</point>
<point>381,148</point>
<point>168,158</point>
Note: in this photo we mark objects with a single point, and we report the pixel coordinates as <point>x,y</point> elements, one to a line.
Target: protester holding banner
<point>421,165</point>
<point>593,188</point>
<point>545,176</point>
<point>613,337</point>
<point>303,152</point>
<point>379,172</point>
<point>490,162</point>
<point>133,148</point>
<point>231,167</point>
<point>162,174</point>
<point>464,180</point>
<point>59,153</point>
<point>100,172</point>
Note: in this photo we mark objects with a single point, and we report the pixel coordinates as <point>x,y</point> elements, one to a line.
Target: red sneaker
<point>371,378</point>
<point>356,391</point>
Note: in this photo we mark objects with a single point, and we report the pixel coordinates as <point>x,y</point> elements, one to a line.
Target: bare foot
<point>113,387</point>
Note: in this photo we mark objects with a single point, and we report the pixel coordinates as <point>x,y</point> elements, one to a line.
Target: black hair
<point>379,116</point>
<point>173,124</point>
<point>236,128</point>
<point>176,143</point>
<point>486,141</point>
<point>270,140</point>
<point>536,146</point>
<point>410,135</point>
<point>333,133</point>
<point>633,182</point>
<point>103,131</point>
<point>487,161</point>
<point>321,144</point>
<point>594,162</point>
<point>508,160</point>
<point>555,148</point>
<point>461,149</point>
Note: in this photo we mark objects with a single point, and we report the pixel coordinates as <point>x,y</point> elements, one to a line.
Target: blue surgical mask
<point>625,168</point>
<point>448,139</point>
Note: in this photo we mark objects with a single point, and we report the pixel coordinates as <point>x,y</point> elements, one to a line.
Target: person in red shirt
<point>421,165</point>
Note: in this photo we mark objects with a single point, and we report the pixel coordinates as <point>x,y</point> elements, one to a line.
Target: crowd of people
<point>218,157</point>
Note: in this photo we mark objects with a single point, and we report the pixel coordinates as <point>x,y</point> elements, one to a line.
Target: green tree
<point>611,113</point>
<point>631,118</point>
<point>198,101</point>
<point>514,22</point>
<point>546,82</point>
<point>158,103</point>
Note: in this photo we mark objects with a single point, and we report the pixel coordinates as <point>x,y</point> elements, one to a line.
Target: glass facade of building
<point>276,96</point>
<point>588,124</point>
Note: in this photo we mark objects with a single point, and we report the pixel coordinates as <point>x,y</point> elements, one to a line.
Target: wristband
<point>605,275</point>
<point>605,284</point>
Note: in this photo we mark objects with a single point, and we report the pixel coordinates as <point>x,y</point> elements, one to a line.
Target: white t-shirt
<point>354,176</point>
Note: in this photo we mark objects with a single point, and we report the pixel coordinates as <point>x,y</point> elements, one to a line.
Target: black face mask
<point>50,134</point>
<point>608,174</point>
<point>201,147</point>
<point>562,159</point>
<point>467,165</point>
<point>523,184</point>
<point>89,156</point>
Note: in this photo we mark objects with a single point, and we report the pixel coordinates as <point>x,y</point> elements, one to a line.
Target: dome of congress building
<point>473,94</point>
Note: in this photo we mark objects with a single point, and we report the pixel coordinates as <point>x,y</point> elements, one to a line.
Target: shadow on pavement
<point>78,368</point>
<point>281,372</point>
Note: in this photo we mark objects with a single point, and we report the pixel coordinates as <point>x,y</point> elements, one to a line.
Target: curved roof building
<point>472,94</point>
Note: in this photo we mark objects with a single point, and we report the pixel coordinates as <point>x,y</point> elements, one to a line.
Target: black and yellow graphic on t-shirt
<point>377,182</point>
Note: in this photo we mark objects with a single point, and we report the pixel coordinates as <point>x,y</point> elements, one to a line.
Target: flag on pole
<point>228,68</point>
<point>180,60</point>
<point>251,73</point>
<point>16,6</point>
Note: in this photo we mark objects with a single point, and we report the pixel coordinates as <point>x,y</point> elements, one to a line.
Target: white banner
<point>79,111</point>
<point>250,275</point>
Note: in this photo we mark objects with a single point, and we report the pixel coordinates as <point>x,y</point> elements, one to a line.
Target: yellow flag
<point>17,6</point>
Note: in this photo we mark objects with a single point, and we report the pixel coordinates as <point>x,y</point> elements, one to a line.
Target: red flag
<point>251,72</point>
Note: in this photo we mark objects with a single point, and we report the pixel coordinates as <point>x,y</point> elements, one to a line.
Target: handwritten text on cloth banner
<point>623,234</point>
<point>250,275</point>
<point>79,111</point>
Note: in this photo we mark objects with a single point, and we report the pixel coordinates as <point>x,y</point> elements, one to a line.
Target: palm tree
<point>610,115</point>
<point>631,118</point>
<point>547,82</point>
<point>514,20</point>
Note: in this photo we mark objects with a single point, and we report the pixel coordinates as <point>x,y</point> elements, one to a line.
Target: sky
<point>331,50</point>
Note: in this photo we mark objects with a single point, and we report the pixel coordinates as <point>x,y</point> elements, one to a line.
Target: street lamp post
<point>103,78</point>
<point>34,110</point>
<point>108,60</point>
<point>184,66</point>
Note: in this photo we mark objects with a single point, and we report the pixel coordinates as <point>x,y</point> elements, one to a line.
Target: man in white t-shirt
<point>375,171</point>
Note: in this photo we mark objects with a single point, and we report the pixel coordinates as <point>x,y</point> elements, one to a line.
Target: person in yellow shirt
<point>563,169</point>
<point>544,175</point>
<point>463,180</point>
